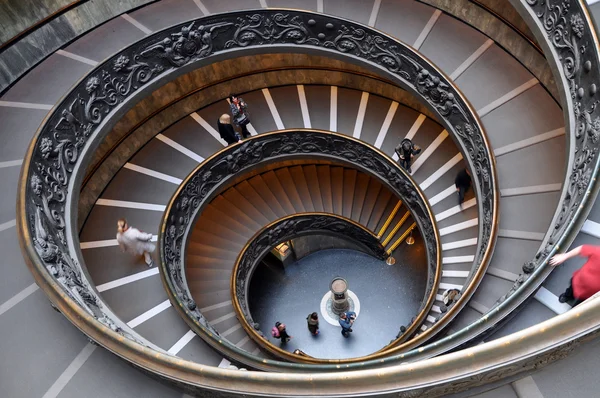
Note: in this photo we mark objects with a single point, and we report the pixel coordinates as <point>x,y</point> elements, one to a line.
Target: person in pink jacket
<point>132,240</point>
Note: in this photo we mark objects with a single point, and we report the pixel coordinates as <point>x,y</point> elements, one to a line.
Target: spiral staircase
<point>490,55</point>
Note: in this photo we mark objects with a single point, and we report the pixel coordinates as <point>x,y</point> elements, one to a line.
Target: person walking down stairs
<point>585,282</point>
<point>406,151</point>
<point>462,182</point>
<point>133,241</point>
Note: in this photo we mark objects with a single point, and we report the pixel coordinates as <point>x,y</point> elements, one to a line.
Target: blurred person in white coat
<point>132,240</point>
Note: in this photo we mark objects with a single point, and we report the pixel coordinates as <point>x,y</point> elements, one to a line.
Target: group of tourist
<point>406,150</point>
<point>346,321</point>
<point>241,118</point>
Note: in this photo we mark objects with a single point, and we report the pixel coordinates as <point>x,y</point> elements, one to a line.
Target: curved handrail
<point>508,23</point>
<point>51,171</point>
<point>212,176</point>
<point>566,31</point>
<point>281,230</point>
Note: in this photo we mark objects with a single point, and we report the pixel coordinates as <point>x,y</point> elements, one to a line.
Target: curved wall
<point>17,16</point>
<point>34,47</point>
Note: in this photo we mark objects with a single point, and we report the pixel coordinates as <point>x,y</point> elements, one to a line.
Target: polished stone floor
<point>389,297</point>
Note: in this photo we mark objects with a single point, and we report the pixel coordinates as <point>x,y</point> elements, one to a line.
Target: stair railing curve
<point>286,229</point>
<point>214,175</point>
<point>59,153</point>
<point>567,34</point>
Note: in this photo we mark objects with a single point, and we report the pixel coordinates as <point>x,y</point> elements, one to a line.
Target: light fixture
<point>390,260</point>
<point>282,248</point>
<point>410,240</point>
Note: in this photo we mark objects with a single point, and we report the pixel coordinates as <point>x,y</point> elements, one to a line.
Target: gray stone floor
<point>389,297</point>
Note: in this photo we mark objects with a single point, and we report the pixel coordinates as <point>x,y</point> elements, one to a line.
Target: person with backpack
<point>406,150</point>
<point>241,116</point>
<point>312,321</point>
<point>346,321</point>
<point>279,332</point>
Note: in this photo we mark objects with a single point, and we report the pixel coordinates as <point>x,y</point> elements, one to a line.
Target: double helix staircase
<point>238,214</point>
<point>523,122</point>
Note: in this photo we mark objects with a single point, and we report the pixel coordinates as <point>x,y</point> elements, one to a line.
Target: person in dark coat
<point>283,334</point>
<point>346,322</point>
<point>313,323</point>
<point>406,151</point>
<point>462,183</point>
<point>226,130</point>
<point>241,116</point>
<point>585,282</point>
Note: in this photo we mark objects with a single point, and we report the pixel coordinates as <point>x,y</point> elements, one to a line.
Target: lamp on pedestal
<point>410,240</point>
<point>390,260</point>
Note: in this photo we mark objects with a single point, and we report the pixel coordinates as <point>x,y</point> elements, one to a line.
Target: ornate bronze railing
<point>568,36</point>
<point>215,175</point>
<point>286,229</point>
<point>60,151</point>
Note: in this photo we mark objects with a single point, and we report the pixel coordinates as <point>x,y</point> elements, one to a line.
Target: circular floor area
<point>389,297</point>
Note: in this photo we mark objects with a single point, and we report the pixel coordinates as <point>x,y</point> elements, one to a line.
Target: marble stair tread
<point>384,207</point>
<point>348,192</point>
<point>132,300</point>
<point>20,125</point>
<point>314,187</point>
<point>164,13</point>
<point>160,157</point>
<point>284,185</point>
<point>371,198</point>
<point>297,174</point>
<point>403,19</point>
<point>106,39</point>
<point>205,262</point>
<point>106,264</point>
<point>494,74</point>
<point>360,194</point>
<point>531,314</point>
<point>47,82</point>
<point>451,42</point>
<point>287,101</point>
<point>324,176</point>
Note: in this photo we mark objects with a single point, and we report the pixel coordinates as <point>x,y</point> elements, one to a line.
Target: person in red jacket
<point>585,282</point>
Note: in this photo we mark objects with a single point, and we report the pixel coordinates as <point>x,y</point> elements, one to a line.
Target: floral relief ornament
<point>569,34</point>
<point>63,139</point>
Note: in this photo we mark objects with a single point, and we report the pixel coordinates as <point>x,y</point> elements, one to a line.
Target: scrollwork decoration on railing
<point>66,141</point>
<point>568,33</point>
<point>398,59</point>
<point>58,153</point>
<point>287,229</point>
<point>212,176</point>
